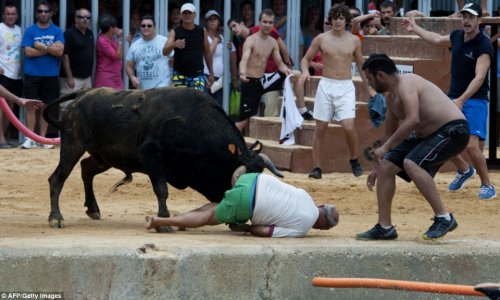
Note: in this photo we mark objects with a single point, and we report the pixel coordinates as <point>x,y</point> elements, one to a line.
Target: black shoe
<point>357,170</point>
<point>440,227</point>
<point>307,116</point>
<point>315,173</point>
<point>378,233</point>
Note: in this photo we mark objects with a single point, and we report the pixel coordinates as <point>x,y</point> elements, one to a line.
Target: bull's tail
<point>127,179</point>
<point>56,122</point>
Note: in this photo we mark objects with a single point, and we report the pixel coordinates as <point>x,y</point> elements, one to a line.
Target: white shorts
<point>335,100</point>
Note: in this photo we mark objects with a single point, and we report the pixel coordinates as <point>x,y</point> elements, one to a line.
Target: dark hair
<point>246,2</point>
<point>339,10</point>
<point>389,3</point>
<point>44,2</point>
<point>148,17</point>
<point>379,62</point>
<point>232,20</point>
<point>267,12</point>
<point>10,4</point>
<point>106,22</point>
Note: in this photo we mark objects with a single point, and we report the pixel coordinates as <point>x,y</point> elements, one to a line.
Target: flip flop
<point>5,146</point>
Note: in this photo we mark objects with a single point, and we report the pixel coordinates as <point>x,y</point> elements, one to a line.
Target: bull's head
<point>255,163</point>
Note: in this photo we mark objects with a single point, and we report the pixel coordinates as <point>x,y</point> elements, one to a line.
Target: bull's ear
<point>232,148</point>
<point>256,147</point>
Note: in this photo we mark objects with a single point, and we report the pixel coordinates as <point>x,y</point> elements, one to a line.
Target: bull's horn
<point>237,173</point>
<point>270,165</point>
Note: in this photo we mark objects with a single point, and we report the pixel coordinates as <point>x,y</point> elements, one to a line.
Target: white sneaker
<point>28,144</point>
<point>47,146</point>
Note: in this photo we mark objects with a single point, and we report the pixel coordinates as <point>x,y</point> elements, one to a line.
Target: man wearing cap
<point>190,42</point>
<point>274,208</point>
<point>147,67</point>
<point>471,58</point>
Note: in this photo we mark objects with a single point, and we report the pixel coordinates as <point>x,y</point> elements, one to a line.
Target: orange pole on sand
<point>40,139</point>
<point>374,283</point>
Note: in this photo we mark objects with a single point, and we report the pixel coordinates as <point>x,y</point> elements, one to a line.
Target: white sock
<point>447,216</point>
<point>302,110</point>
<point>387,227</point>
<point>466,171</point>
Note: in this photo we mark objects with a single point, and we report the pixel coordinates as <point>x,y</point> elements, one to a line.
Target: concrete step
<point>409,46</point>
<point>440,25</point>
<point>298,158</point>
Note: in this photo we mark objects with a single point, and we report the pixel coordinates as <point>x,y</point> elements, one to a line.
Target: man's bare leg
<point>478,160</point>
<point>351,137</point>
<point>426,185</point>
<point>201,216</point>
<point>386,187</point>
<point>319,134</point>
<point>241,125</point>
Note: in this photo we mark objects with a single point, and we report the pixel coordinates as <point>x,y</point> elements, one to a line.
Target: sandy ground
<point>25,206</point>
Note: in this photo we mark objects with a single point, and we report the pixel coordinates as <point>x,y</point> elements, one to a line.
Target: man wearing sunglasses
<point>78,58</point>
<point>147,67</point>
<point>43,44</point>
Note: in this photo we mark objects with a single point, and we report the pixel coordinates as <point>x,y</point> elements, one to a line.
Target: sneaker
<point>378,233</point>
<point>487,192</point>
<point>47,146</point>
<point>28,144</point>
<point>440,227</point>
<point>315,173</point>
<point>461,178</point>
<point>357,170</point>
<point>307,116</point>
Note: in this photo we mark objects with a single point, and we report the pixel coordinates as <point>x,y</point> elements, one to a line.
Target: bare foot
<point>150,222</point>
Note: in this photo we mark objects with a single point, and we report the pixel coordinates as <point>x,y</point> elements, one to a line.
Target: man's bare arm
<point>482,67</point>
<point>170,44</point>
<point>431,37</point>
<point>358,58</point>
<point>247,50</point>
<point>279,62</point>
<point>308,57</point>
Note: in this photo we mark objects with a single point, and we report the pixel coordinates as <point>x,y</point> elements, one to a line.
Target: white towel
<point>290,116</point>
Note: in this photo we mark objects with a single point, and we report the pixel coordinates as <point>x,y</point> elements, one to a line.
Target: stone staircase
<point>408,51</point>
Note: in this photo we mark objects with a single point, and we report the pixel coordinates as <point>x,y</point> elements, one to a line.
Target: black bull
<point>175,135</point>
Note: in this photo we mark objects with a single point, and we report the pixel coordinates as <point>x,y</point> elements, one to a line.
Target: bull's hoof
<point>163,229</point>
<point>56,223</point>
<point>94,215</point>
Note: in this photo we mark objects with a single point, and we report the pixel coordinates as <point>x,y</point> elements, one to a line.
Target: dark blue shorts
<point>432,152</point>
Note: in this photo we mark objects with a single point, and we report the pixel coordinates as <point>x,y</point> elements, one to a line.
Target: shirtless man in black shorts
<point>423,130</point>
<point>256,51</point>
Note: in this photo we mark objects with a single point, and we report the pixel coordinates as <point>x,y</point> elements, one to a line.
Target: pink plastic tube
<point>39,139</point>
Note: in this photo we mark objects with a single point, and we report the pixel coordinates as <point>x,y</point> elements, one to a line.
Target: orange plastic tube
<point>417,286</point>
<point>40,139</point>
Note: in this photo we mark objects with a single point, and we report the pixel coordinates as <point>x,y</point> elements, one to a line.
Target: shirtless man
<point>335,96</point>
<point>423,130</point>
<point>256,51</point>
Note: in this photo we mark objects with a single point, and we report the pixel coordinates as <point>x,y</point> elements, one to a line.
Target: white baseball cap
<point>189,7</point>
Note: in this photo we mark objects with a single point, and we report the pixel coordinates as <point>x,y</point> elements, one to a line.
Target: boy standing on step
<point>256,51</point>
<point>471,54</point>
<point>335,96</point>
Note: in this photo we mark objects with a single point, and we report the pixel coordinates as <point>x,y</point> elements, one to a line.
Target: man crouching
<point>423,130</point>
